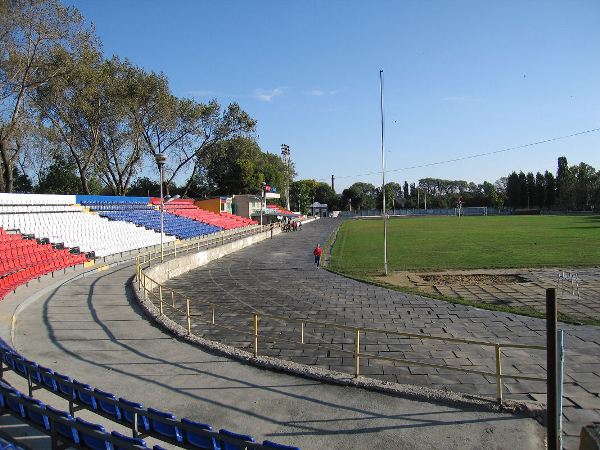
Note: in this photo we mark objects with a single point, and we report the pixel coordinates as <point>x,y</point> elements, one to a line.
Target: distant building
<point>246,205</point>
<point>216,205</point>
<point>319,209</point>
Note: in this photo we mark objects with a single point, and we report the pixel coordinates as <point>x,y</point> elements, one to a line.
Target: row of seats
<point>181,227</point>
<point>88,232</point>
<point>37,208</point>
<point>150,422</point>
<point>22,260</point>
<point>186,208</point>
<point>36,199</point>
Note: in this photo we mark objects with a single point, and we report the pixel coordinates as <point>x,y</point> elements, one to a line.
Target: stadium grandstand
<point>40,234</point>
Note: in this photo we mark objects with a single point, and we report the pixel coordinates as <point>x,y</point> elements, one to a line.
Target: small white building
<point>318,209</point>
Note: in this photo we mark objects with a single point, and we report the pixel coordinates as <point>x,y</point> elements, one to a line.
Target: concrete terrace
<point>91,329</point>
<point>278,277</point>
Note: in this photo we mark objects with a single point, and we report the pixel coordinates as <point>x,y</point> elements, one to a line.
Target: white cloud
<point>321,93</point>
<point>267,95</point>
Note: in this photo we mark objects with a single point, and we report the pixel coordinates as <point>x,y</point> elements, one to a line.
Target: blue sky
<point>461,77</point>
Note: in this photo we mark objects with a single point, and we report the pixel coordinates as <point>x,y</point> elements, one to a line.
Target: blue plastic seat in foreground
<point>64,388</point>
<point>143,423</point>
<point>88,441</point>
<point>48,381</point>
<point>164,428</point>
<point>34,372</point>
<point>36,416</point>
<point>197,440</point>
<point>19,366</point>
<point>271,444</point>
<point>63,430</point>
<point>230,446</point>
<point>106,407</point>
<point>83,396</point>
<point>15,405</point>
<point>127,440</point>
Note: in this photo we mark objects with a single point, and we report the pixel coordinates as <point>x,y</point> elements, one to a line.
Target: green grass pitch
<point>445,243</point>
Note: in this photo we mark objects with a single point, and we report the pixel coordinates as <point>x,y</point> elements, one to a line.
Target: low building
<point>246,205</point>
<point>216,205</point>
<point>319,209</point>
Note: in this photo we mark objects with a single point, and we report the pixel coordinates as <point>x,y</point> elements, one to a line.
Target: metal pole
<point>385,261</point>
<point>561,364</point>
<point>498,374</point>
<point>162,207</point>
<point>357,353</point>
<point>187,313</point>
<point>551,364</point>
<point>255,334</point>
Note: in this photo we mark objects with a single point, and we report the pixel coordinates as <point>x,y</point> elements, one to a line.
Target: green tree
<point>360,196</point>
<point>550,189</point>
<point>60,178</point>
<point>236,166</point>
<point>38,38</point>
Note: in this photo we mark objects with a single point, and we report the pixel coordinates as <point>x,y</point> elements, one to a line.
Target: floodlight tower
<point>385,260</point>
<point>285,156</point>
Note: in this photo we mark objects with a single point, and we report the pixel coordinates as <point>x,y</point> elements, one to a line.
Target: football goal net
<point>471,211</point>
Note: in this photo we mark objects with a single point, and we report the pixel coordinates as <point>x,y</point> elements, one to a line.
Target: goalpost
<point>470,211</point>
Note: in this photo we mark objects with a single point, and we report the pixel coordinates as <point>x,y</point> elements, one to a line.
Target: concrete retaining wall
<point>182,264</point>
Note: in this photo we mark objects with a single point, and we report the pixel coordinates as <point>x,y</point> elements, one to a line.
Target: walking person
<point>318,251</point>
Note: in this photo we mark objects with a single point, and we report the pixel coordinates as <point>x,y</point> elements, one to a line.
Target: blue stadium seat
<point>106,407</point>
<point>127,440</point>
<point>34,372</point>
<point>196,440</point>
<point>65,431</point>
<point>19,367</point>
<point>47,380</point>
<point>15,405</point>
<point>83,396</point>
<point>88,441</point>
<point>229,446</point>
<point>34,415</point>
<point>143,423</point>
<point>64,388</point>
<point>271,444</point>
<point>165,428</point>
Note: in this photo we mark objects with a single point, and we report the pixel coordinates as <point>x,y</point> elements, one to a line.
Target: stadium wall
<point>183,264</point>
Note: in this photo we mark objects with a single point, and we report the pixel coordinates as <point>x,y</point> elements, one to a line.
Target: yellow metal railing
<point>150,288</point>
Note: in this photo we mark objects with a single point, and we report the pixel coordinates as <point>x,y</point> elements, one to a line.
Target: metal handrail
<point>148,285</point>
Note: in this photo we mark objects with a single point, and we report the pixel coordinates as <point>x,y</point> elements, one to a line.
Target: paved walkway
<point>278,277</point>
<point>92,330</point>
<point>521,288</point>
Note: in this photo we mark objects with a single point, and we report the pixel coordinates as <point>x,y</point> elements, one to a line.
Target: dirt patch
<point>476,278</point>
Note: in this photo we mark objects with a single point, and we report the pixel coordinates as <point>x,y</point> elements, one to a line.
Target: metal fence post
<point>160,299</point>
<point>357,353</point>
<point>213,307</point>
<point>551,360</point>
<point>561,368</point>
<point>145,291</point>
<point>302,332</point>
<point>187,313</point>
<point>175,247</point>
<point>498,374</point>
<point>172,298</point>
<point>255,334</point>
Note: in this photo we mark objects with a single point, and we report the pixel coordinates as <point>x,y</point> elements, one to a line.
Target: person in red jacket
<point>318,251</point>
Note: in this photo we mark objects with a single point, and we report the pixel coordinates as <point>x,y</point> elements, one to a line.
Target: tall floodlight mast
<point>385,260</point>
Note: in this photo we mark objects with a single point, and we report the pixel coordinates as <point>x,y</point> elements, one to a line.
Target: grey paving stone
<point>278,277</point>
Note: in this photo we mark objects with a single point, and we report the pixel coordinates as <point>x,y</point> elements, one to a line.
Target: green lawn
<point>440,243</point>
